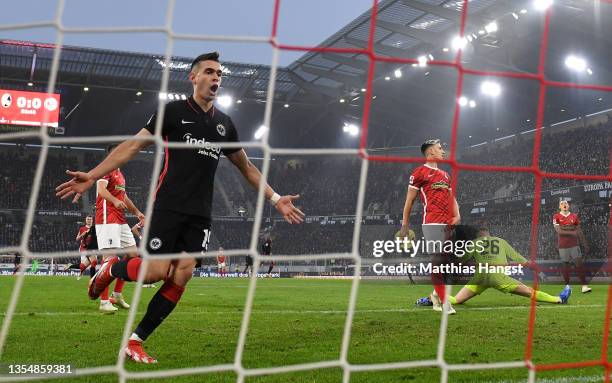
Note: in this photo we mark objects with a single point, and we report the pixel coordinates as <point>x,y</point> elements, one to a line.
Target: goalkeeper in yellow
<point>497,252</point>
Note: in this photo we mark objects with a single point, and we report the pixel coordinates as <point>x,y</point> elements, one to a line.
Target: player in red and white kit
<point>84,238</point>
<point>440,209</point>
<point>112,229</point>
<point>221,265</point>
<point>567,226</point>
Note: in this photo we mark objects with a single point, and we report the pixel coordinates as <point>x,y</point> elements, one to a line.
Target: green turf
<point>301,321</point>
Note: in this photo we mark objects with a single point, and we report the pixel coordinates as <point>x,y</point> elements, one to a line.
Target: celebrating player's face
<point>206,79</point>
<point>437,152</point>
<point>88,221</point>
<point>563,206</point>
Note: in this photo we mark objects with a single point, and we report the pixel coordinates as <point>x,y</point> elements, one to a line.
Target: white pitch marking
<point>267,312</point>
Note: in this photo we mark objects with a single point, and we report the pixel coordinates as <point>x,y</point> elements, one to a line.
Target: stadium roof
<point>503,36</point>
<point>125,70</point>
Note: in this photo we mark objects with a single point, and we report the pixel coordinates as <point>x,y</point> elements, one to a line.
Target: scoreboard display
<point>29,108</point>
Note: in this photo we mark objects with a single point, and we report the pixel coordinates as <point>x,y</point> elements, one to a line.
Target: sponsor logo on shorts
<point>155,243</point>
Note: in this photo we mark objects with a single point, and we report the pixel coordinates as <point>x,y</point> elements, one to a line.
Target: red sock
<point>94,263</point>
<point>171,291</point>
<point>133,267</point>
<point>441,291</point>
<point>119,286</point>
<point>566,273</point>
<point>104,295</point>
<point>82,267</point>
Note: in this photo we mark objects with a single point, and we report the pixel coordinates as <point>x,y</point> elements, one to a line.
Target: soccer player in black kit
<point>16,263</point>
<point>266,249</point>
<point>183,201</point>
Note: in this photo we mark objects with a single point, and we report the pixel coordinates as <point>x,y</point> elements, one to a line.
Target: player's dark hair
<point>427,144</point>
<point>88,216</point>
<point>211,56</point>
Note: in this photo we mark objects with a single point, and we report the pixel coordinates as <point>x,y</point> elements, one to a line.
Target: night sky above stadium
<point>303,23</point>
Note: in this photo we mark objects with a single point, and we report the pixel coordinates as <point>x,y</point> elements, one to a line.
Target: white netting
<point>237,367</point>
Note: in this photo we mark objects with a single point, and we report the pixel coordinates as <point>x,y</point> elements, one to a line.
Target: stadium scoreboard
<point>30,109</point>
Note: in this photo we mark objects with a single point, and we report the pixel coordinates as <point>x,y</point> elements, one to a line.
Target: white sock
<point>136,337</point>
<point>102,302</point>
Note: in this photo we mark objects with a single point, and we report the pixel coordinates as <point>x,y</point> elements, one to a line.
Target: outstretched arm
<point>82,181</point>
<point>283,204</point>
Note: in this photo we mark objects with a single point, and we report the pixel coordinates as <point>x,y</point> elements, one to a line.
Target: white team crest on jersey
<point>155,243</point>
<point>221,129</point>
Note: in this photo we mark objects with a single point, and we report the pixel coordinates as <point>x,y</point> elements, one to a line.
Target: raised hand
<point>291,213</point>
<point>77,185</point>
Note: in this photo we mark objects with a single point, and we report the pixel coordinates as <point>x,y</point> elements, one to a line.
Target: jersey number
<point>206,239</point>
<point>492,245</point>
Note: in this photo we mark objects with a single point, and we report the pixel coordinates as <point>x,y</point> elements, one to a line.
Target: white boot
<point>117,299</point>
<point>586,289</point>
<point>107,308</point>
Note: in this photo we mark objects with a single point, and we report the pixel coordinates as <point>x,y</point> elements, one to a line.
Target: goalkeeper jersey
<point>496,252</point>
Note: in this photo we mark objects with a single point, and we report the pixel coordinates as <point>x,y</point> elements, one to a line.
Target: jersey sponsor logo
<point>221,129</point>
<point>207,148</point>
<point>440,185</point>
<point>120,187</point>
<point>187,122</point>
<point>155,243</point>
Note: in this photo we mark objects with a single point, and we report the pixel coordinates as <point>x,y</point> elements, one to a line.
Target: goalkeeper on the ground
<point>497,252</point>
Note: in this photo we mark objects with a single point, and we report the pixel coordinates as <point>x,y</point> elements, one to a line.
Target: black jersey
<point>266,247</point>
<point>186,180</point>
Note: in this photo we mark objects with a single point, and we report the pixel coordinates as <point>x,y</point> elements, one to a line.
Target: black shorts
<point>249,260</point>
<point>174,232</point>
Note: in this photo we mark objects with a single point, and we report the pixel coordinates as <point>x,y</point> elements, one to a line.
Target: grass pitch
<point>301,321</point>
